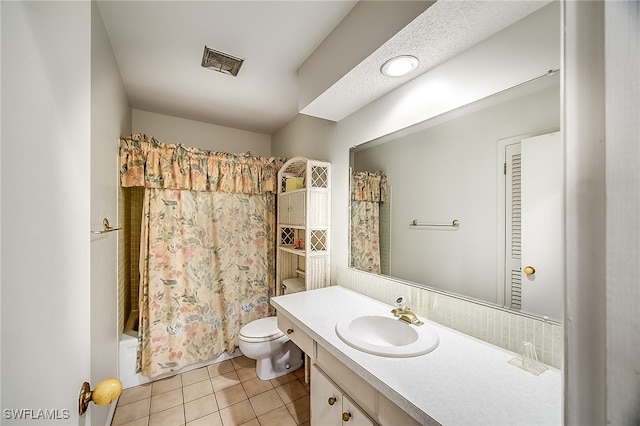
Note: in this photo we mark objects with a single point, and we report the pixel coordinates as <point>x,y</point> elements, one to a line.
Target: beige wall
<point>176,130</point>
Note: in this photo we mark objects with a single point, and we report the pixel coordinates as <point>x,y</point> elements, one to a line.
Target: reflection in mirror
<point>495,166</point>
<point>369,222</point>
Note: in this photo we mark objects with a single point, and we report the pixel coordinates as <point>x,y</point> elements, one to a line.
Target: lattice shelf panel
<point>287,236</point>
<point>319,177</point>
<point>319,240</point>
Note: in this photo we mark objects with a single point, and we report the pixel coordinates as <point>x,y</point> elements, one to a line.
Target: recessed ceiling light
<point>399,66</point>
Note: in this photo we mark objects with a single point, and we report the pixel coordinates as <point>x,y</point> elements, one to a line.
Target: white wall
<point>110,119</point>
<point>46,174</point>
<point>583,126</point>
<point>449,172</point>
<point>176,130</point>
<point>516,54</point>
<point>622,46</point>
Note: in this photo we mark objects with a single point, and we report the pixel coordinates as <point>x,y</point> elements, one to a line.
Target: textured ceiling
<point>441,32</point>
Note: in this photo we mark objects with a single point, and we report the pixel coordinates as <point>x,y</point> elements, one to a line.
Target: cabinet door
<point>283,209</point>
<point>326,400</point>
<point>291,209</point>
<point>352,415</point>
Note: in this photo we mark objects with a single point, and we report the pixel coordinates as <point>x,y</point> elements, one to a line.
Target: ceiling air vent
<point>221,62</point>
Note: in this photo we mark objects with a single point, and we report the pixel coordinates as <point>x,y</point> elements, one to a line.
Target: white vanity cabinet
<point>331,378</point>
<point>304,222</point>
<point>463,381</point>
<point>330,406</point>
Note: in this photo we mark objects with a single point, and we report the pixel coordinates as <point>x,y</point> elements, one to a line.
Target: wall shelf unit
<point>304,222</point>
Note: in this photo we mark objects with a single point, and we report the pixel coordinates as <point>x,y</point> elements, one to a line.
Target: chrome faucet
<point>403,313</point>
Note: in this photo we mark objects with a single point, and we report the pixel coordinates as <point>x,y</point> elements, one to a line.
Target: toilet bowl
<point>263,341</point>
<point>274,353</point>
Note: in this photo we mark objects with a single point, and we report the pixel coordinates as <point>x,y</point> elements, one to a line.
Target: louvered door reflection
<point>513,234</point>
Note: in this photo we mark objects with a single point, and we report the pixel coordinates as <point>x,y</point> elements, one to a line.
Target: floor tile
<point>306,386</point>
<point>166,400</point>
<point>166,385</point>
<point>277,417</point>
<point>197,390</point>
<point>194,376</point>
<point>300,410</point>
<point>290,377</point>
<point>237,414</point>
<point>289,392</point>
<point>232,388</point>
<point>200,407</point>
<point>225,380</point>
<point>135,394</point>
<point>212,419</point>
<point>220,368</point>
<point>256,386</point>
<point>135,410</point>
<point>299,373</point>
<point>171,417</point>
<point>265,402</point>
<point>230,396</point>
<point>143,421</point>
<point>243,362</point>
<point>246,373</point>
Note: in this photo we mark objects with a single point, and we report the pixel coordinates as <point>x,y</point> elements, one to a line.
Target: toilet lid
<point>261,330</point>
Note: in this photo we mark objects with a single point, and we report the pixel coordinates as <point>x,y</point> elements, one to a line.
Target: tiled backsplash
<point>498,327</point>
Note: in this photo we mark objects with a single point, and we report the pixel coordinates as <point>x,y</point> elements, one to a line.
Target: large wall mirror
<point>468,202</point>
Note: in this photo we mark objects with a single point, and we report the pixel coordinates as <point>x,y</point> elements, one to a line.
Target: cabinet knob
<point>289,330</point>
<point>529,270</point>
<point>332,400</point>
<point>346,416</point>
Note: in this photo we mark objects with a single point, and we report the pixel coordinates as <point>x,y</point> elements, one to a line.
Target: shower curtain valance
<point>369,186</point>
<point>149,163</point>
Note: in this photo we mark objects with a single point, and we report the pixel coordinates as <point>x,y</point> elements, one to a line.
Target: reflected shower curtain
<point>207,257</point>
<point>365,236</point>
<point>368,189</point>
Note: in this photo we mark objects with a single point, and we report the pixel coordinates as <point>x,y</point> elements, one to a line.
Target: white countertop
<point>464,381</point>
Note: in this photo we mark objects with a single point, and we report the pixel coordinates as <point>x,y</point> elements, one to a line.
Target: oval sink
<point>387,336</point>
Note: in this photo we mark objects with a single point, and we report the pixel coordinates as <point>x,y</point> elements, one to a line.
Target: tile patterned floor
<point>225,394</point>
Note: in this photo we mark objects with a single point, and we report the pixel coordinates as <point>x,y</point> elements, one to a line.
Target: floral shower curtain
<point>368,190</point>
<point>207,249</point>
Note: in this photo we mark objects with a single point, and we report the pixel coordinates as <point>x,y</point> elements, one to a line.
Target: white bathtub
<point>129,353</point>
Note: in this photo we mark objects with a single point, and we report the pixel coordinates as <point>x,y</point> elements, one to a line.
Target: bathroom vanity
<point>461,381</point>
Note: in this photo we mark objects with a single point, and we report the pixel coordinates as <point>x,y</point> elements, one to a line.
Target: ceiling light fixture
<point>399,66</point>
<point>221,62</point>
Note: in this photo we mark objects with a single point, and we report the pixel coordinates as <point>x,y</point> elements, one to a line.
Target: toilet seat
<point>261,330</point>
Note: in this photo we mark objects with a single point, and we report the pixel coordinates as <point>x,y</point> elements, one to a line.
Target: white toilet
<point>263,341</point>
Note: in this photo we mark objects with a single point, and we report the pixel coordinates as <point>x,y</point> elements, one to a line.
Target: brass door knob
<point>332,400</point>
<point>290,330</point>
<point>529,270</point>
<point>346,416</point>
<point>105,393</point>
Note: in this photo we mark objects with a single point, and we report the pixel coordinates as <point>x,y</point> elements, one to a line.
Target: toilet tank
<point>292,285</point>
